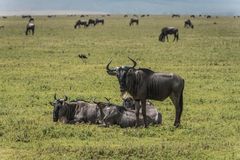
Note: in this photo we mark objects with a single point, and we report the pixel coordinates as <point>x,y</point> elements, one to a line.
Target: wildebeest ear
<point>55,96</point>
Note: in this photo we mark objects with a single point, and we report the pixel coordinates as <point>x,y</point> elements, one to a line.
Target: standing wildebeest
<point>192,16</point>
<point>91,22</point>
<point>30,26</point>
<point>99,20</point>
<point>4,17</point>
<point>133,20</point>
<point>188,23</point>
<point>143,84</point>
<point>208,16</point>
<point>168,30</point>
<point>175,15</point>
<point>75,111</point>
<point>79,23</point>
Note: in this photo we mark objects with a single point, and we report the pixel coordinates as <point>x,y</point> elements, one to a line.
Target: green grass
<point>33,68</point>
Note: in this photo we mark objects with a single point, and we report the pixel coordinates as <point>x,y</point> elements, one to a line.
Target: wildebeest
<point>1,27</point>
<point>30,26</point>
<point>176,15</point>
<point>113,114</point>
<point>26,16</point>
<point>80,23</point>
<point>208,16</point>
<point>99,20</point>
<point>91,22</point>
<point>133,20</point>
<point>143,84</point>
<point>4,17</point>
<point>168,30</point>
<point>188,23</point>
<point>125,16</point>
<point>75,111</point>
<point>192,16</point>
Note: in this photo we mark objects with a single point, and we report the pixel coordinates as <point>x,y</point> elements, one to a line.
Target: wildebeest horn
<point>107,67</point>
<point>134,63</point>
<point>55,96</point>
<point>108,99</point>
<point>65,98</point>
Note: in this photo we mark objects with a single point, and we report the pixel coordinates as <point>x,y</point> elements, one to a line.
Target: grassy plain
<point>33,68</point>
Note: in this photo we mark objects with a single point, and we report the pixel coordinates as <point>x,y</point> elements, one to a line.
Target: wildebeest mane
<point>135,78</point>
<point>70,110</point>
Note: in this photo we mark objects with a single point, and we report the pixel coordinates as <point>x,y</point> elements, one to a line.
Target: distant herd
<point>30,27</point>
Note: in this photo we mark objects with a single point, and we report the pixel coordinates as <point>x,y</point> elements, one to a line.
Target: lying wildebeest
<point>188,23</point>
<point>79,23</point>
<point>91,22</point>
<point>98,20</point>
<point>143,84</point>
<point>133,20</point>
<point>175,15</point>
<point>30,26</point>
<point>75,111</point>
<point>168,30</point>
<point>112,114</point>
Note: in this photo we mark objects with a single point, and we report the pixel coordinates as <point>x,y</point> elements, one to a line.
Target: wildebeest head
<point>121,73</point>
<point>161,37</point>
<point>58,107</point>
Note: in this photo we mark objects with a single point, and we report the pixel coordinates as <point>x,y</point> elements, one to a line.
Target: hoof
<point>177,124</point>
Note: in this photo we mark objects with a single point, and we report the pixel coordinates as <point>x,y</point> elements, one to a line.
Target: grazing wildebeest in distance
<point>99,20</point>
<point>75,112</point>
<point>51,16</point>
<point>200,15</point>
<point>176,15</point>
<point>80,23</point>
<point>4,17</point>
<point>188,23</point>
<point>113,114</point>
<point>143,84</point>
<point>26,16</point>
<point>91,22</point>
<point>208,16</point>
<point>30,26</point>
<point>1,27</point>
<point>143,15</point>
<point>133,20</point>
<point>125,16</point>
<point>168,30</point>
<point>192,16</point>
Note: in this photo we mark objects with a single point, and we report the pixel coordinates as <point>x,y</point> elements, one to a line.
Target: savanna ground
<point>33,68</point>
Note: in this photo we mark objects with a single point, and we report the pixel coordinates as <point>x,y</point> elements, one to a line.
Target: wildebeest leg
<point>137,108</point>
<point>26,32</point>
<point>33,31</point>
<point>167,37</point>
<point>143,104</point>
<point>177,101</point>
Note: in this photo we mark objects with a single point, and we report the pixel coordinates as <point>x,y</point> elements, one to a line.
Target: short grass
<point>33,68</point>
